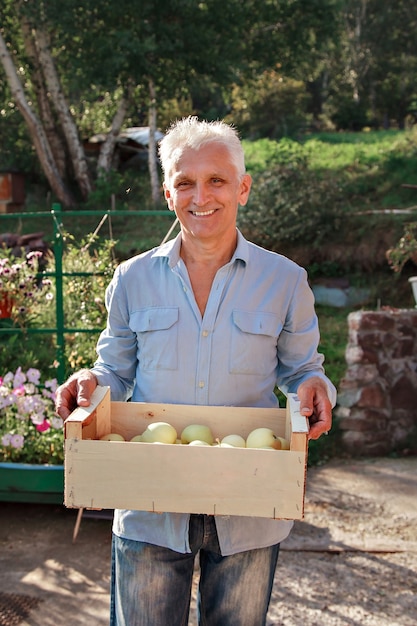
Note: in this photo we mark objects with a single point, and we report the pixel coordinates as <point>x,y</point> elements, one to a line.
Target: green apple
<point>235,441</point>
<point>261,437</point>
<point>197,431</point>
<point>112,437</point>
<point>136,438</point>
<point>160,432</point>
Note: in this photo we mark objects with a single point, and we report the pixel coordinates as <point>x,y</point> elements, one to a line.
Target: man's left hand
<point>315,404</point>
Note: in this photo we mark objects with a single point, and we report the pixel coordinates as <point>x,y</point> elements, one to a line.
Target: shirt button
<point>205,333</point>
<point>201,384</point>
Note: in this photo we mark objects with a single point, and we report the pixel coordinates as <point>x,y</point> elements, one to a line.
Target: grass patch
<point>333,340</point>
<point>369,138</point>
<point>370,166</point>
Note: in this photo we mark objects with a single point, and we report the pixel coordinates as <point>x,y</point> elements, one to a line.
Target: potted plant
<point>403,252</point>
<point>31,439</point>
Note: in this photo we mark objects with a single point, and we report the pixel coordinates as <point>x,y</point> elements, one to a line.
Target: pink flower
<point>19,391</point>
<point>17,441</point>
<point>19,378</point>
<point>51,384</point>
<point>35,254</point>
<point>8,378</point>
<point>57,423</point>
<point>27,416</point>
<point>6,439</point>
<point>33,375</point>
<point>41,428</point>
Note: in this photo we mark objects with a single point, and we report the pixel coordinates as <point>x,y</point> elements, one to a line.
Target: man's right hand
<point>76,391</point>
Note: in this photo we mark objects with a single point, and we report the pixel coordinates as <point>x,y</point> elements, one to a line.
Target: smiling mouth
<point>203,213</point>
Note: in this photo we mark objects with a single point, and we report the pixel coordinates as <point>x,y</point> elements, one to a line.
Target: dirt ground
<point>351,562</point>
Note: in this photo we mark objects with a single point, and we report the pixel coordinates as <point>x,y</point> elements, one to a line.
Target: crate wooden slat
<point>184,479</point>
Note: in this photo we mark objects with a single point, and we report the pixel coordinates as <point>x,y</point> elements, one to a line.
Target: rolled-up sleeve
<point>298,356</point>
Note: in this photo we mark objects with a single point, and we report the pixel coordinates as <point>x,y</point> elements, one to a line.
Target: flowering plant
<point>30,432</point>
<point>20,286</point>
<point>405,250</point>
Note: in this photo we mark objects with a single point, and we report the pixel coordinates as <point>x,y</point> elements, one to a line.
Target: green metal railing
<point>60,330</point>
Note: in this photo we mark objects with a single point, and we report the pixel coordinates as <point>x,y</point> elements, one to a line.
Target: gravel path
<point>351,562</point>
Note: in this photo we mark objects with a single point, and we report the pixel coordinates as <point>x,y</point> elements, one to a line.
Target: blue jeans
<point>151,586</point>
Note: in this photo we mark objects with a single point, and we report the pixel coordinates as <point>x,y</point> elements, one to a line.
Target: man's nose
<point>201,194</point>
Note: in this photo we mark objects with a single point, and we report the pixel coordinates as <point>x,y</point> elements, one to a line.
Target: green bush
<point>350,114</point>
<point>291,204</point>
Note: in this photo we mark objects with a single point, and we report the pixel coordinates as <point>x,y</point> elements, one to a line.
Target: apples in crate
<point>212,479</point>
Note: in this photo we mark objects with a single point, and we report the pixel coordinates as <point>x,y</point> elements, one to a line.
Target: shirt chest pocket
<point>156,330</point>
<point>253,347</point>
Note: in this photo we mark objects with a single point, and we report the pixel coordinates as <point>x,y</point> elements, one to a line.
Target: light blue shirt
<point>259,330</point>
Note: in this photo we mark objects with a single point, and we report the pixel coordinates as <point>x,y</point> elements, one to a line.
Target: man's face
<point>204,190</point>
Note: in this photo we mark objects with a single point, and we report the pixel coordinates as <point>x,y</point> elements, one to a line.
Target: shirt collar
<point>171,250</point>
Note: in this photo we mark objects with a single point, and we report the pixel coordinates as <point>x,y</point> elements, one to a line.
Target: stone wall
<point>377,401</point>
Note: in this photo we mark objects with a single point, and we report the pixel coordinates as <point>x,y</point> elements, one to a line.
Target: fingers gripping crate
<point>183,478</point>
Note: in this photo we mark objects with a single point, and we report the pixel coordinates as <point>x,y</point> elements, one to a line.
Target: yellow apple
<point>160,432</point>
<point>236,441</point>
<point>261,437</point>
<point>137,438</point>
<point>198,442</point>
<point>112,437</point>
<point>197,431</point>
<point>284,443</point>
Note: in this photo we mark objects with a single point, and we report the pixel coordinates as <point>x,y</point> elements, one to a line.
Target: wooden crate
<point>180,478</point>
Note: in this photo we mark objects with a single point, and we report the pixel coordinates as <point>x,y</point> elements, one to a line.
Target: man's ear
<point>168,198</point>
<point>245,187</point>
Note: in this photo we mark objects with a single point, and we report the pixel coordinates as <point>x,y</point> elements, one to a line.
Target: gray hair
<point>190,132</point>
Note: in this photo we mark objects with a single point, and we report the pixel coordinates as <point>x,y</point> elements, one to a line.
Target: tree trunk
<point>44,107</point>
<point>152,157</point>
<point>107,149</point>
<point>78,160</point>
<point>35,128</point>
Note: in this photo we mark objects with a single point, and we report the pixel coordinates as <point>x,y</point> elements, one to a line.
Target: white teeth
<point>198,213</point>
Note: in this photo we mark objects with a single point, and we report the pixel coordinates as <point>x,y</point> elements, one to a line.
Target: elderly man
<point>205,319</point>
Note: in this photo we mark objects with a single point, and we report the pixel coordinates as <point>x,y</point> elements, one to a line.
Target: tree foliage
<point>270,105</point>
<point>373,70</point>
<point>76,69</point>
